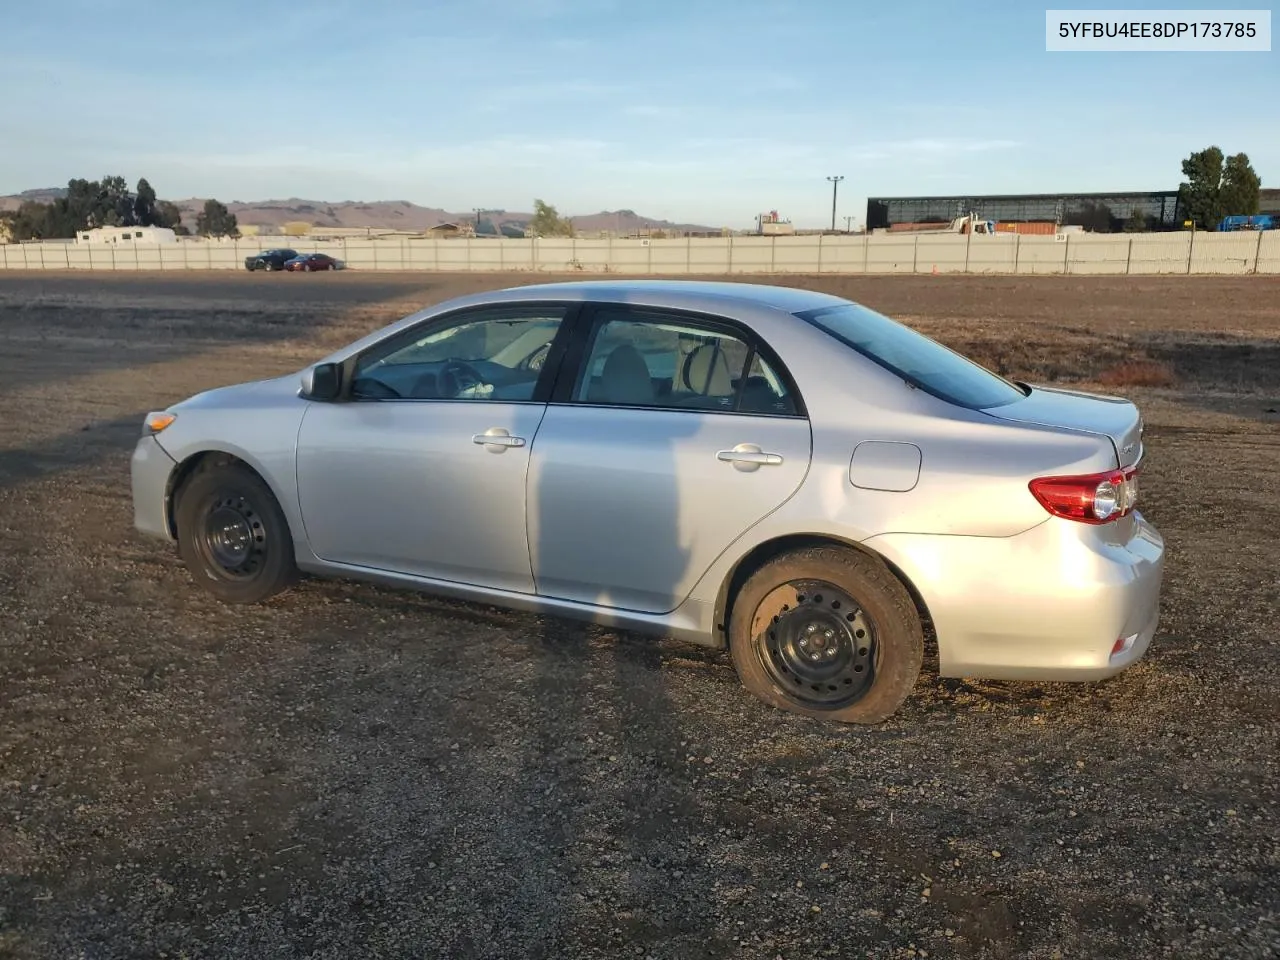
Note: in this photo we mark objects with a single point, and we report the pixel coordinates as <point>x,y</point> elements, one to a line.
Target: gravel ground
<point>349,771</point>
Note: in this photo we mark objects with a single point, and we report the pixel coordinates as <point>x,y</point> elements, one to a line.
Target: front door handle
<point>748,456</point>
<point>496,440</point>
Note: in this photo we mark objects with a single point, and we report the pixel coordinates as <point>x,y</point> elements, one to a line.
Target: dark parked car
<point>269,259</point>
<point>314,261</point>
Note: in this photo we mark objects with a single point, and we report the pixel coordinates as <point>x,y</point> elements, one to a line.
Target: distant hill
<point>42,195</point>
<point>385,215</point>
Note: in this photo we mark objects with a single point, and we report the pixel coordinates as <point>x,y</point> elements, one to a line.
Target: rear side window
<point>649,359</point>
<point>916,358</point>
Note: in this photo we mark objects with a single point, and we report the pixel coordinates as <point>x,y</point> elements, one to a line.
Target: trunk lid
<point>1112,417</point>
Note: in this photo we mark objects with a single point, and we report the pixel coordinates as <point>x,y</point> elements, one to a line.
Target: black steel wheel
<point>827,632</point>
<point>817,643</point>
<point>232,537</point>
<point>232,534</point>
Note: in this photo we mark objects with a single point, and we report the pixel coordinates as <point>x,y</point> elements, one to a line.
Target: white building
<point>130,235</point>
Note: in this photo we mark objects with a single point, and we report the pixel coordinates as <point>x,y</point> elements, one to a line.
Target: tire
<point>232,534</point>
<point>794,636</point>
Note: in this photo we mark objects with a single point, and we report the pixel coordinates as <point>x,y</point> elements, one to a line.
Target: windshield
<point>916,358</point>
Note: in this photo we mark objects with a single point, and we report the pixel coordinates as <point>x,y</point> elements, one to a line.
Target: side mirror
<point>322,382</point>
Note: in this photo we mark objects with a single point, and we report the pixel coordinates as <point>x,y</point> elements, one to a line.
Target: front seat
<point>706,371</point>
<point>625,377</point>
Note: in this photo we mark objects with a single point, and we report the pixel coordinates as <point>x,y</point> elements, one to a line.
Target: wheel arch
<point>180,475</point>
<point>768,550</point>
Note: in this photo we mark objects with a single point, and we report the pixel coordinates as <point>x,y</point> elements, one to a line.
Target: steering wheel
<point>534,361</point>
<point>456,376</point>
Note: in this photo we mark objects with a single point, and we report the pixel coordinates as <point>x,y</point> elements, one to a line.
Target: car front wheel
<point>232,534</point>
<point>827,632</point>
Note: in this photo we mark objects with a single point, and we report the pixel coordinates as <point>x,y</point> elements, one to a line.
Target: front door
<point>676,437</point>
<point>423,470</point>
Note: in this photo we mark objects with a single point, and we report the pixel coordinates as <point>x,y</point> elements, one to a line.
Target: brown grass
<point>1138,373</point>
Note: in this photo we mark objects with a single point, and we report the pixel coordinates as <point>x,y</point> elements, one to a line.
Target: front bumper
<point>149,472</point>
<point>1048,604</point>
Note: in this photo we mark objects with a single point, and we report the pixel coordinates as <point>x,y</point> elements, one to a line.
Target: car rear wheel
<point>827,632</point>
<point>232,534</point>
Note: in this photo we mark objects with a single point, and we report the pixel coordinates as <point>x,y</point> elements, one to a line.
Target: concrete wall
<point>1077,254</point>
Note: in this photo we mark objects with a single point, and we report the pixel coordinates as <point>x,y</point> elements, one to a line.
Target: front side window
<point>916,358</point>
<point>650,360</point>
<point>494,355</point>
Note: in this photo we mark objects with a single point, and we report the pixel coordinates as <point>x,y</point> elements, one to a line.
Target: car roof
<point>688,294</point>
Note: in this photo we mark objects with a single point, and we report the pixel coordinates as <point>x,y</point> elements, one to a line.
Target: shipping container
<point>1036,227</point>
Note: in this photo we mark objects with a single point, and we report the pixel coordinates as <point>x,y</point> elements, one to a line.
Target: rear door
<point>667,437</point>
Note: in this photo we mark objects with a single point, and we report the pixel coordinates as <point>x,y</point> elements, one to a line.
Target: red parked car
<point>314,261</point>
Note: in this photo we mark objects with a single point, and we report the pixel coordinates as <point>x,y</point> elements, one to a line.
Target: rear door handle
<point>496,440</point>
<point>748,456</point>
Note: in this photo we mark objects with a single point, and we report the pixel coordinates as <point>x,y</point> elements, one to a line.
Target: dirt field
<point>353,772</point>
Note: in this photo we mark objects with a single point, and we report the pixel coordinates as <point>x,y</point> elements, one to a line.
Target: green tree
<point>1216,186</point>
<point>168,215</point>
<point>113,206</point>
<point>1137,221</point>
<point>216,221</point>
<point>92,203</point>
<point>1240,186</point>
<point>33,221</point>
<point>546,222</point>
<point>78,209</point>
<point>144,204</point>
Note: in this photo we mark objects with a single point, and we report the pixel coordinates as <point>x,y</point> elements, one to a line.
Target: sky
<point>702,111</point>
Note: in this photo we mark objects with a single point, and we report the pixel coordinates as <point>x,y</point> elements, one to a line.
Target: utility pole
<point>835,186</point>
<point>848,224</point>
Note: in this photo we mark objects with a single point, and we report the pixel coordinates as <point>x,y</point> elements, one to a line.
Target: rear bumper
<point>1048,604</point>
<point>149,472</point>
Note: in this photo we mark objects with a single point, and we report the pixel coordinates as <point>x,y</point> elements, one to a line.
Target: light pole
<point>835,186</point>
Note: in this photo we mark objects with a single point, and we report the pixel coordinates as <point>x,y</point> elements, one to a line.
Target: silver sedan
<point>780,472</point>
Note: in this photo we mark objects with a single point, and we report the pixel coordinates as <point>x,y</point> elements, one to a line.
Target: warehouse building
<point>1098,212</point>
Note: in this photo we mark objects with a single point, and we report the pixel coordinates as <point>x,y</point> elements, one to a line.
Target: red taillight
<point>1092,498</point>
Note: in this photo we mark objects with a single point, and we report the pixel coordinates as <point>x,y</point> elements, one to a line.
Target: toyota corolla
<point>784,473</point>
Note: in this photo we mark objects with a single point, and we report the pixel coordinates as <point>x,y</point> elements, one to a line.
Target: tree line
<point>109,202</point>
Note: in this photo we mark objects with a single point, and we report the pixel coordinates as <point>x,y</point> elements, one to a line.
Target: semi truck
<point>970,223</point>
<point>966,224</point>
